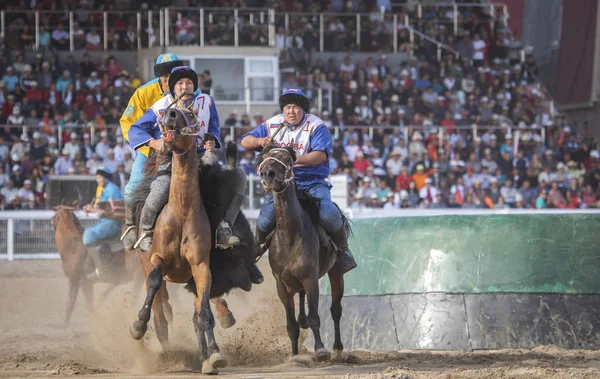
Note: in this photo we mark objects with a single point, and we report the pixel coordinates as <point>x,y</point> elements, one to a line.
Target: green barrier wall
<point>541,253</point>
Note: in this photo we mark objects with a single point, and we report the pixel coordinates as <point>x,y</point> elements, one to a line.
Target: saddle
<point>311,205</point>
<point>114,210</point>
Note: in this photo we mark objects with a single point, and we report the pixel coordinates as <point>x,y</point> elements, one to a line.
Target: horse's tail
<point>345,221</point>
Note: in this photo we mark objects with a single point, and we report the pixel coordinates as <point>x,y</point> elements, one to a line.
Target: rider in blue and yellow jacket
<point>140,102</point>
<point>105,228</point>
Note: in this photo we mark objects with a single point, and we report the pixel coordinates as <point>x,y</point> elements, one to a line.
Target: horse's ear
<point>75,202</point>
<point>291,150</point>
<point>62,201</point>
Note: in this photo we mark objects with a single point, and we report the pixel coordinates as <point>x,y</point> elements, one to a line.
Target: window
<point>227,77</point>
<point>260,66</point>
<point>262,79</point>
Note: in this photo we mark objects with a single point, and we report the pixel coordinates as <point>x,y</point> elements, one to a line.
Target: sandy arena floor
<point>33,344</point>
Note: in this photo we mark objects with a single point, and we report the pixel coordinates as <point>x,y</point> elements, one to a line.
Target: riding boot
<point>344,256</point>
<point>148,222</point>
<point>261,239</point>
<point>224,234</point>
<point>130,236</point>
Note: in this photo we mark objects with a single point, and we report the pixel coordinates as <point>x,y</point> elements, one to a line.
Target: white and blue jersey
<point>145,129</point>
<point>311,134</point>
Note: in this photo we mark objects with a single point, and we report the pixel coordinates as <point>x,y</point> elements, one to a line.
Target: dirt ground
<point>34,344</point>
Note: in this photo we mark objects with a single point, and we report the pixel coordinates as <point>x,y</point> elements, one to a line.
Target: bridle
<point>190,129</point>
<point>289,171</point>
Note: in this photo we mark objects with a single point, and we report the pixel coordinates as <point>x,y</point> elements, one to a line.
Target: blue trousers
<point>136,177</point>
<point>331,219</point>
<point>105,228</point>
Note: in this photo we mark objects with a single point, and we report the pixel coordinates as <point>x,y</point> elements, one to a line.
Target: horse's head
<point>64,215</point>
<point>275,167</point>
<point>180,129</point>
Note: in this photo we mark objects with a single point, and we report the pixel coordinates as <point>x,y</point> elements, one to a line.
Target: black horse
<point>299,251</point>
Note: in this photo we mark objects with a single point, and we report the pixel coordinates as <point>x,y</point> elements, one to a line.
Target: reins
<point>289,171</point>
<point>187,130</point>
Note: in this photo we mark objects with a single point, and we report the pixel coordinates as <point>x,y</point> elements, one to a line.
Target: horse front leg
<point>224,315</point>
<point>154,280</point>
<point>204,321</point>
<point>161,324</point>
<point>311,287</point>
<point>74,284</point>
<point>292,325</point>
<point>302,311</point>
<point>336,281</point>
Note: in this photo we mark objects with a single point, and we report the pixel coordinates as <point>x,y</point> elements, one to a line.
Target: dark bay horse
<point>299,253</point>
<point>77,264</point>
<point>182,242</point>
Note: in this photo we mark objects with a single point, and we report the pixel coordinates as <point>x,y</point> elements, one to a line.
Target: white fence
<point>29,234</point>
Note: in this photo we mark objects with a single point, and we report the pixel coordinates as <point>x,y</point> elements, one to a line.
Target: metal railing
<point>219,27</point>
<point>29,235</point>
<point>234,132</point>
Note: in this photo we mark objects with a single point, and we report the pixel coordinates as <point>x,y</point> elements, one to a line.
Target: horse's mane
<point>310,204</point>
<point>272,146</point>
<point>151,167</point>
<point>76,222</point>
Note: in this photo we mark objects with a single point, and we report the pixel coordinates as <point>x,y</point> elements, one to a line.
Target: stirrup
<point>129,228</point>
<point>225,225</point>
<point>144,235</point>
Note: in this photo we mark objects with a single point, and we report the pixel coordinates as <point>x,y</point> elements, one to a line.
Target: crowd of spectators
<point>41,95</point>
<point>522,155</point>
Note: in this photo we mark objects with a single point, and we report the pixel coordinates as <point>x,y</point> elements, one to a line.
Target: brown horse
<point>77,264</point>
<point>300,253</point>
<point>182,242</point>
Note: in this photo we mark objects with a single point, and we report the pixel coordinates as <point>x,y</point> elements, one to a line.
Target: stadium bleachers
<point>463,122</point>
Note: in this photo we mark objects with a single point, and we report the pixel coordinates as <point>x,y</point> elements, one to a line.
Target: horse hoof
<point>322,355</point>
<point>208,369</point>
<point>337,355</point>
<point>137,330</point>
<point>301,360</point>
<point>227,321</point>
<point>218,361</point>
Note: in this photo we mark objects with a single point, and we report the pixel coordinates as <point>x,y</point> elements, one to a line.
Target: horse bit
<point>187,130</point>
<point>289,171</point>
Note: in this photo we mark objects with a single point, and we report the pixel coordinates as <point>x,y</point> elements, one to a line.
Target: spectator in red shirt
<point>403,179</point>
<point>34,93</point>
<point>90,108</point>
<point>360,163</point>
<point>7,107</point>
<point>114,69</point>
<point>448,122</point>
<point>589,197</point>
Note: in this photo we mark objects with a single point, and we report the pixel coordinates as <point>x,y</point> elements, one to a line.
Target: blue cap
<point>165,62</point>
<point>293,91</point>
<point>167,57</point>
